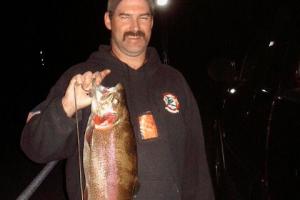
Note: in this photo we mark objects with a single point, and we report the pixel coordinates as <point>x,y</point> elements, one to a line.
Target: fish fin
<point>86,195</point>
<point>88,136</point>
<point>136,187</point>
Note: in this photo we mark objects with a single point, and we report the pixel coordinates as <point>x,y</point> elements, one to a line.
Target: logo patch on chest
<point>171,103</point>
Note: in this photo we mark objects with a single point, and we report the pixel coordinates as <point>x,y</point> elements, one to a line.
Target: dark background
<point>191,32</point>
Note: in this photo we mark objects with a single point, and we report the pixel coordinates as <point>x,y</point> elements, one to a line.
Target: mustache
<point>131,33</point>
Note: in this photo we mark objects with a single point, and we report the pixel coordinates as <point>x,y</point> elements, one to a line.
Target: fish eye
<point>115,101</point>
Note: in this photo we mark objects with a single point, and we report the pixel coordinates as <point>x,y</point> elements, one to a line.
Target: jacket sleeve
<point>197,182</point>
<point>50,134</point>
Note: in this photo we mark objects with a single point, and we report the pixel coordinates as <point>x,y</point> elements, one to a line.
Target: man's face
<point>130,26</point>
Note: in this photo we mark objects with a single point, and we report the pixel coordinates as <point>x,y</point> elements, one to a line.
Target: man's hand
<point>82,84</point>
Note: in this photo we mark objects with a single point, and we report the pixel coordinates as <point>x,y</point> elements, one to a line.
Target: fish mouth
<point>106,121</point>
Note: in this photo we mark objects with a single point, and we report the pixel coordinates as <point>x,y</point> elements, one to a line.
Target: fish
<point>109,152</point>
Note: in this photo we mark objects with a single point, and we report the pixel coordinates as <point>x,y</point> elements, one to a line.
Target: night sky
<point>46,37</point>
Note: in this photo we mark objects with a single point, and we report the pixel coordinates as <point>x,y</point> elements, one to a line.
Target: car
<point>257,125</point>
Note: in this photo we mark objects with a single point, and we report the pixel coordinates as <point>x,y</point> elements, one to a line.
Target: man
<point>171,160</point>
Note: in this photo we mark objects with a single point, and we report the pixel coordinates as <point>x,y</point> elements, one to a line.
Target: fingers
<point>99,76</point>
<point>85,80</point>
<point>80,86</point>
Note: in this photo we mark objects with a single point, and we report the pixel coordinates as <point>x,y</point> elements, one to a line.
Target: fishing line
<point>78,143</point>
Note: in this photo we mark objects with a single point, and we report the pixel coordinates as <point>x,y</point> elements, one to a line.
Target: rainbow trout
<point>109,154</point>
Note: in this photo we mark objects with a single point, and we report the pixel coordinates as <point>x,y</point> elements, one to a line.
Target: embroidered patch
<point>148,129</point>
<point>171,103</point>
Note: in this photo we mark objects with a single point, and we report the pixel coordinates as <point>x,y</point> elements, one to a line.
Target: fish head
<point>108,106</point>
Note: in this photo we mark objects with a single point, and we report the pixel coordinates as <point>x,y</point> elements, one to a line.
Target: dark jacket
<point>172,166</point>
